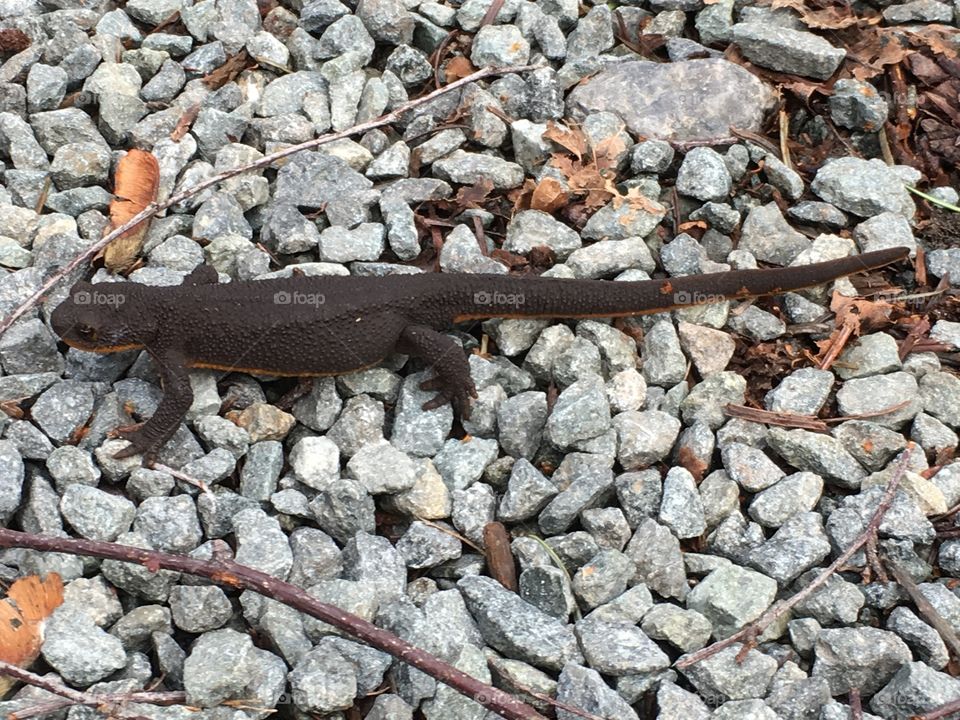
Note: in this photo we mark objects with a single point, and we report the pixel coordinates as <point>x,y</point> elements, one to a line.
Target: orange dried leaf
<point>851,315</point>
<point>227,72</point>
<point>688,459</point>
<point>639,201</point>
<point>941,39</point>
<point>608,151</point>
<point>473,196</point>
<point>519,197</point>
<point>828,18</point>
<point>803,89</point>
<point>573,140</point>
<point>185,122</point>
<point>549,196</point>
<point>136,183</point>
<point>856,311</point>
<point>875,49</point>
<point>29,602</point>
<point>458,67</point>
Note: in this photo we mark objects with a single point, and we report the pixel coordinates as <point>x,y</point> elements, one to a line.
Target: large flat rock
<point>691,101</point>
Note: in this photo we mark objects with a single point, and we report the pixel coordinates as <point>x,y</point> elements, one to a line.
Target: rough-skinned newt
<point>312,326</point>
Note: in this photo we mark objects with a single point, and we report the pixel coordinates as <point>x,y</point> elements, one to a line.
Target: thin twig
<point>785,139</point>
<point>188,479</point>
<point>491,14</point>
<point>756,628</point>
<point>227,572</point>
<point>265,161</point>
<point>868,415</point>
<point>547,699</point>
<point>771,417</point>
<point>856,704</point>
<point>924,606</point>
<point>885,151</point>
<point>172,697</point>
<point>76,697</point>
<point>943,711</point>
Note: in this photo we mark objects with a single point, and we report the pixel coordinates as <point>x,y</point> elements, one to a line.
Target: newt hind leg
<point>452,381</point>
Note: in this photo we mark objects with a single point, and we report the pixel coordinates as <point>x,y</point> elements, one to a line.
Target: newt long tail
<point>560,298</point>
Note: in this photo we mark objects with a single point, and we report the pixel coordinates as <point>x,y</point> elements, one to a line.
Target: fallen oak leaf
<point>875,49</point>
<point>185,122</point>
<point>235,64</point>
<point>29,602</point>
<point>607,153</point>
<point>549,195</point>
<point>828,18</point>
<point>474,196</point>
<point>639,201</point>
<point>940,39</point>
<point>136,183</point>
<point>519,197</point>
<point>572,139</point>
<point>851,315</point>
<point>458,67</point>
<point>694,465</point>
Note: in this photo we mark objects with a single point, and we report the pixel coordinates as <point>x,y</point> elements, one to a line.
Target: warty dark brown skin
<point>312,326</point>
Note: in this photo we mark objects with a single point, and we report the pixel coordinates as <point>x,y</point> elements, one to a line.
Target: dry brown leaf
<point>694,465</point>
<point>876,48</point>
<point>639,201</point>
<point>851,315</point>
<point>136,183</point>
<point>458,67</point>
<point>860,310</point>
<point>941,39</point>
<point>828,18</point>
<point>227,72</point>
<point>474,196</point>
<point>549,196</point>
<point>185,122</point>
<point>607,151</point>
<point>519,197</point>
<point>574,140</point>
<point>591,176</point>
<point>803,89</point>
<point>29,603</point>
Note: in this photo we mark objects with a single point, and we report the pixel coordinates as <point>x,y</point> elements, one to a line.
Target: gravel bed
<point>646,524</point>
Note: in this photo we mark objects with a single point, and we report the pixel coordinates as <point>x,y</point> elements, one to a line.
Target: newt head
<point>103,318</point>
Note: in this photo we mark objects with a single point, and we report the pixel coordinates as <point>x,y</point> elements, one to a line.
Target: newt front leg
<point>452,371</point>
<point>150,437</point>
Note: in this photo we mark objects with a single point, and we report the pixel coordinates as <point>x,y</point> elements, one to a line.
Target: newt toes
<point>314,326</point>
